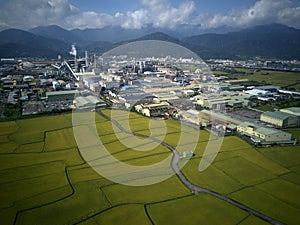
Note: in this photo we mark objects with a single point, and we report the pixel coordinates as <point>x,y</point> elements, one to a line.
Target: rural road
<point>194,188</point>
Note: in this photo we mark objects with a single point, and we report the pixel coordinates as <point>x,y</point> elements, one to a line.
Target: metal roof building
<point>259,133</point>
<point>280,119</point>
<point>292,110</point>
<point>61,95</point>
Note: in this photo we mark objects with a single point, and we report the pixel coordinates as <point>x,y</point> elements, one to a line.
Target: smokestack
<point>86,59</point>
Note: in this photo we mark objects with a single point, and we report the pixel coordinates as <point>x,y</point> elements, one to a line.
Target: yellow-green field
<point>45,180</point>
<point>267,76</point>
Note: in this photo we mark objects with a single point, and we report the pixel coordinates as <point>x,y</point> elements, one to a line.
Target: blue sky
<point>136,14</point>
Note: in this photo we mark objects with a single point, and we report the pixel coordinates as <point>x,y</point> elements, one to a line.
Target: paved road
<point>194,188</point>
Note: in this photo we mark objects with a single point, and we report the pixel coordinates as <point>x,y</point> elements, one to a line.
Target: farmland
<point>277,78</point>
<point>46,180</point>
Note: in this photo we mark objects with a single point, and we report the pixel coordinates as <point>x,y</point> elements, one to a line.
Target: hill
<point>19,43</point>
<point>56,32</point>
<point>270,41</point>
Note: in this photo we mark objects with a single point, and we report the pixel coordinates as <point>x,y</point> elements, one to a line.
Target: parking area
<point>245,115</point>
<point>35,107</point>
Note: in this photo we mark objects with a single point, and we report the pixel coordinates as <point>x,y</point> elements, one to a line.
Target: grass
<point>37,170</point>
<point>60,139</point>
<point>250,220</point>
<point>244,171</point>
<point>80,205</point>
<point>268,204</point>
<point>265,108</point>
<point>286,156</point>
<point>69,156</point>
<point>43,174</point>
<point>124,214</point>
<point>132,154</point>
<point>200,209</point>
<point>212,178</point>
<point>260,160</point>
<point>8,127</point>
<point>283,190</point>
<point>8,147</point>
<point>168,189</point>
<point>292,177</point>
<point>276,78</point>
<point>32,130</point>
<point>295,133</point>
<point>31,147</point>
<point>233,143</point>
<point>14,191</point>
<point>296,169</point>
<point>8,215</point>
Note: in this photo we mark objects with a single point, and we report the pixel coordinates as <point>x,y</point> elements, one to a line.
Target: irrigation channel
<point>194,188</point>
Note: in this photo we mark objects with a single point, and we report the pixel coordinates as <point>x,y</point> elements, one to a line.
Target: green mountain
<point>19,43</point>
<point>57,32</point>
<point>270,41</point>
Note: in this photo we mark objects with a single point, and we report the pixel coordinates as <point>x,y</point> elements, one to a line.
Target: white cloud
<point>135,20</point>
<point>172,17</point>
<point>290,16</point>
<point>262,12</point>
<point>159,13</point>
<point>87,19</point>
<point>31,13</point>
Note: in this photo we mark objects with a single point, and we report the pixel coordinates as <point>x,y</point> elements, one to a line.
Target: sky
<point>136,14</point>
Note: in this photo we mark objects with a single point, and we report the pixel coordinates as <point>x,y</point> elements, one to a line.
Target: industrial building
<point>211,101</point>
<point>260,134</point>
<point>153,110</point>
<point>292,110</point>
<point>192,116</point>
<point>235,103</point>
<point>88,102</point>
<point>239,99</point>
<point>219,117</point>
<point>132,97</point>
<point>280,119</point>
<point>61,95</point>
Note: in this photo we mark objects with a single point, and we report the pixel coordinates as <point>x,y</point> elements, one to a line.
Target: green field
<point>265,108</point>
<point>276,78</point>
<point>45,180</point>
<point>295,133</point>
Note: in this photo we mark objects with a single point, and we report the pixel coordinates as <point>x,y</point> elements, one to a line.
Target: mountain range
<point>272,41</point>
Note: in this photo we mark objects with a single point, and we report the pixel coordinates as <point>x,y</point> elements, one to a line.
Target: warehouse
<point>279,119</point>
<point>153,110</point>
<point>88,102</point>
<point>61,95</point>
<point>263,134</point>
<point>292,110</point>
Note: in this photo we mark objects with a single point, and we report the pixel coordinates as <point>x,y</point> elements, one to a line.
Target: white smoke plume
<point>73,51</point>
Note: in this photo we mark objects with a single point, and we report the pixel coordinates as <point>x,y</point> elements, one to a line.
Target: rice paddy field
<point>44,179</point>
<point>277,78</point>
